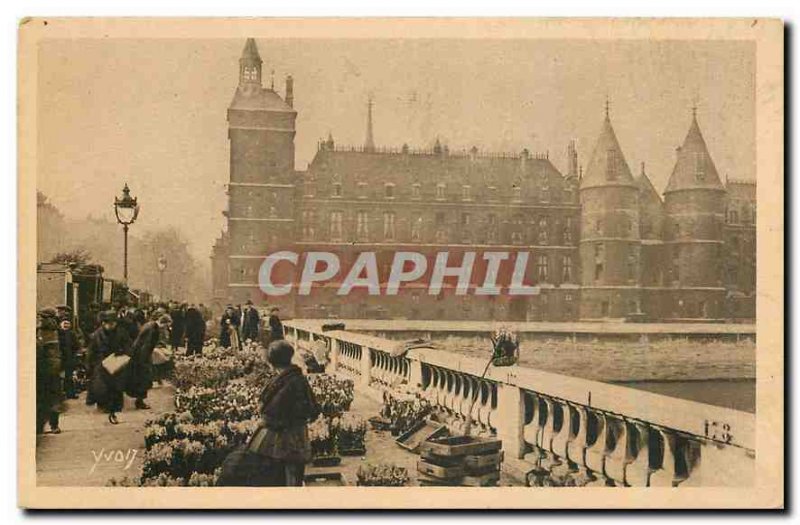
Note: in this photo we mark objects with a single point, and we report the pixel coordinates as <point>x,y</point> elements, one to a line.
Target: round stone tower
<point>694,205</point>
<point>610,239</point>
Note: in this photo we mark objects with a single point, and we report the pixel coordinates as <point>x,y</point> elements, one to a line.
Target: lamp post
<point>162,265</point>
<point>126,209</point>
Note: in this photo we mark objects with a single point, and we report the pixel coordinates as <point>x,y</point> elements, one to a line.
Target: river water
<point>739,394</point>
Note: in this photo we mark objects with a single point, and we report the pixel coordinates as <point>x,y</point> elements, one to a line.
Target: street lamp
<point>126,209</point>
<point>162,265</point>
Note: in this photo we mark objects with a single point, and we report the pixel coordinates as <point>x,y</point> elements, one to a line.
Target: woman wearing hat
<point>49,372</point>
<point>287,406</point>
<point>106,390</point>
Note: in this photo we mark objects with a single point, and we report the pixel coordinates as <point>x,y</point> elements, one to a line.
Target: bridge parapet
<point>602,434</point>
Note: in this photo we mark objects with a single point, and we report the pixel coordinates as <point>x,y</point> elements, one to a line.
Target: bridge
<point>612,434</point>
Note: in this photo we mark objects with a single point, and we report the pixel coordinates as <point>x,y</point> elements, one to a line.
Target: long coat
<point>178,331</point>
<point>141,367</point>
<point>287,405</point>
<point>106,390</point>
<point>224,332</point>
<point>250,321</point>
<point>49,385</point>
<point>195,331</point>
<point>275,328</point>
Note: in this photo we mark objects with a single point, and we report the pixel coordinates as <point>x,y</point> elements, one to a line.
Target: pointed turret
<point>610,237</point>
<point>694,168</point>
<point>369,142</point>
<point>607,165</point>
<point>250,64</point>
<point>646,188</point>
<point>694,208</point>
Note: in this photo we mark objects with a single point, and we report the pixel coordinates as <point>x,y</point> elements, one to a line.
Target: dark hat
<point>274,309</point>
<point>280,353</point>
<point>108,316</point>
<point>249,302</point>
<point>64,307</point>
<point>48,312</point>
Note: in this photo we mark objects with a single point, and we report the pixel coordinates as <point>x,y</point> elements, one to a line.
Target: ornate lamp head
<point>126,208</point>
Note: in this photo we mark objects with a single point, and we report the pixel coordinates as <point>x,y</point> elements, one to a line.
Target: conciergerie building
<point>601,242</point>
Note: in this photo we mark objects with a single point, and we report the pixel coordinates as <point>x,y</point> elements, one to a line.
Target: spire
<point>572,159</point>
<point>369,143</point>
<point>694,168</point>
<point>250,51</point>
<point>250,64</point>
<point>607,165</point>
<point>608,107</point>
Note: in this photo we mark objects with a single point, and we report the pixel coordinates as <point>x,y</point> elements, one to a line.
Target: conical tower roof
<point>607,166</point>
<point>250,52</point>
<point>646,188</point>
<point>694,168</point>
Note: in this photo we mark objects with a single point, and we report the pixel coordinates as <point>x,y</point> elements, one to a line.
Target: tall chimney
<point>290,91</point>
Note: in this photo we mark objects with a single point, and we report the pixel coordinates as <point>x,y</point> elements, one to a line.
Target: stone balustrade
<point>560,427</point>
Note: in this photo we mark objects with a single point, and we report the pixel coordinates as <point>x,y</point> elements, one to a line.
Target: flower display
<point>403,411</point>
<point>335,396</point>
<point>382,475</point>
<point>217,409</point>
<point>351,430</point>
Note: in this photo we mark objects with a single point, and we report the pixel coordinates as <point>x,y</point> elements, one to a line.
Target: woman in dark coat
<point>141,367</point>
<point>229,325</point>
<point>287,406</point>
<point>195,331</point>
<point>49,372</point>
<point>106,390</point>
<point>178,315</point>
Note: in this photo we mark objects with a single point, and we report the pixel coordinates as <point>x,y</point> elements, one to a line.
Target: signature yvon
<point>123,458</point>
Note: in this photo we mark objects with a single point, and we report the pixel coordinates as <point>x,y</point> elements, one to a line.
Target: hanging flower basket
<point>505,348</point>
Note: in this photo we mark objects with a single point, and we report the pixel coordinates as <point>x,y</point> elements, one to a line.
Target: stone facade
<point>603,244</point>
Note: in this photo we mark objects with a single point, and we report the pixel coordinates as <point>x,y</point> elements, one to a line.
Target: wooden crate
<point>439,471</point>
<point>461,446</point>
<point>326,476</point>
<point>430,481</point>
<point>419,433</point>
<point>489,479</point>
<point>481,461</point>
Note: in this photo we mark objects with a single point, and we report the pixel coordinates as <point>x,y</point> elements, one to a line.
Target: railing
<point>613,435</point>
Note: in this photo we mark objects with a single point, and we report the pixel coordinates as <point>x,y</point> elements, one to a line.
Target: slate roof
<point>603,170</point>
<point>694,168</point>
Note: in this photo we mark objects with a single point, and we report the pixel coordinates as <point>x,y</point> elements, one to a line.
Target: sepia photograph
<point>501,264</point>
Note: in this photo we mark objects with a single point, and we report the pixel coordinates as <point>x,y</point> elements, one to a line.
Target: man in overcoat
<point>140,379</point>
<point>250,322</point>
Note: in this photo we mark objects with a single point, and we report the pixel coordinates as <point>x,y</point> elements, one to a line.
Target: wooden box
<point>461,446</point>
<point>419,433</point>
<point>439,471</point>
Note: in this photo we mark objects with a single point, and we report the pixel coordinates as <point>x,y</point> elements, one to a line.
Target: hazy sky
<point>153,112</point>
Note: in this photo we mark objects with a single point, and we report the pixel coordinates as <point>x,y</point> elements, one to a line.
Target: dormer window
<point>416,190</point>
<point>517,193</point>
<point>337,189</point>
<point>362,190</point>
<point>699,167</point>
<point>389,190</point>
<point>440,191</point>
<point>466,192</point>
<point>611,164</point>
